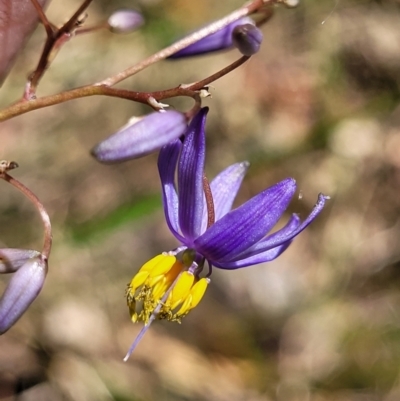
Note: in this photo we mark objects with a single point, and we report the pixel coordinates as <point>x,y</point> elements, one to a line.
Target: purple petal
<point>167,161</point>
<point>190,177</point>
<point>247,38</point>
<point>262,246</point>
<point>21,291</point>
<point>266,256</point>
<point>246,225</point>
<point>11,259</point>
<point>224,188</point>
<point>141,137</point>
<point>285,234</point>
<point>219,40</point>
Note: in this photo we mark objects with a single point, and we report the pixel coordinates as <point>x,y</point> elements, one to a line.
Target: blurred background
<point>319,103</point>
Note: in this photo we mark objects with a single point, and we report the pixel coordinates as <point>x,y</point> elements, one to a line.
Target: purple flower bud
<point>219,40</point>
<point>11,259</point>
<point>141,137</point>
<point>21,291</point>
<point>247,38</point>
<point>125,21</point>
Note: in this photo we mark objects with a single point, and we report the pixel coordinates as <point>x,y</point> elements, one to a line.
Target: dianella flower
<point>210,234</point>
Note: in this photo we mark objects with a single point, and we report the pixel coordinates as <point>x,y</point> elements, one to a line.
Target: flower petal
<point>263,257</point>
<point>21,291</point>
<point>246,225</point>
<point>141,137</point>
<point>285,234</point>
<point>167,161</point>
<point>219,40</point>
<point>11,259</point>
<point>262,246</point>
<point>190,177</point>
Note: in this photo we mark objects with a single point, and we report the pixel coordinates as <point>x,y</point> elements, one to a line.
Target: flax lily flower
<point>201,219</point>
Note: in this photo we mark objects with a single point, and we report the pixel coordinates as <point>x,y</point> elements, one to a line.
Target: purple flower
<point>30,269</point>
<point>219,40</point>
<point>141,136</point>
<point>201,219</point>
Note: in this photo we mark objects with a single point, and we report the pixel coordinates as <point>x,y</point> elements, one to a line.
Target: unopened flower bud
<point>141,137</point>
<point>291,3</point>
<point>247,38</point>
<point>219,40</point>
<point>11,259</point>
<point>125,21</point>
<point>21,291</point>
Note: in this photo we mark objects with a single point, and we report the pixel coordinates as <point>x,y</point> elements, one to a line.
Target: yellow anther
<point>185,308</point>
<point>152,262</point>
<point>138,280</point>
<point>163,266</point>
<point>174,272</point>
<point>181,289</point>
<point>198,290</point>
<point>195,296</point>
<point>152,271</point>
<point>160,288</point>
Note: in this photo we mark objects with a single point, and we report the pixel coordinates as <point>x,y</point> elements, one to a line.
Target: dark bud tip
<point>247,38</point>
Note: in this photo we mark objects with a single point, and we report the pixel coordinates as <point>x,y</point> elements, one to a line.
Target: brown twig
<point>190,90</point>
<point>38,205</point>
<point>55,39</point>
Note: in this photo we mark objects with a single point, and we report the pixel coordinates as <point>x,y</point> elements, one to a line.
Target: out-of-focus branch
<point>55,39</point>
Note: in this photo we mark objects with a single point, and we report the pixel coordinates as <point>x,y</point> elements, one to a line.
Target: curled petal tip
<point>219,40</point>
<point>247,38</point>
<point>141,137</point>
<point>125,21</point>
<point>21,291</point>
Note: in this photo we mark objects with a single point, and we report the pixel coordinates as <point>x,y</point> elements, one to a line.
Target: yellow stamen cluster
<point>152,282</point>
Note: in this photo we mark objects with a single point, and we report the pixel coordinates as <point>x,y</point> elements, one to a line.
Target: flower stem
<point>38,205</point>
<point>24,106</point>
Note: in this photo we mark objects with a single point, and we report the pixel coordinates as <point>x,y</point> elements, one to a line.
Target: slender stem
<point>39,206</point>
<point>226,70</point>
<point>42,16</point>
<point>190,90</point>
<point>55,39</point>
<point>209,202</point>
<point>70,24</point>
